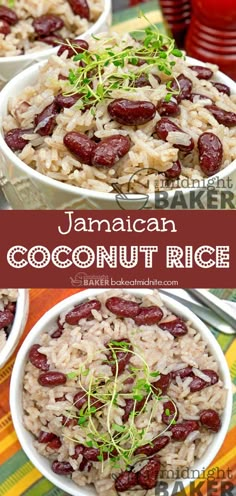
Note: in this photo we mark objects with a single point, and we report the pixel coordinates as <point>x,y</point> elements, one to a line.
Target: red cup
<point>177,15</point>
<point>212,33</point>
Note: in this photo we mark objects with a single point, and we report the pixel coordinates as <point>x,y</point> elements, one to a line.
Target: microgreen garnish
<point>116,443</point>
<point>151,53</point>
<point>71,375</point>
<point>155,374</point>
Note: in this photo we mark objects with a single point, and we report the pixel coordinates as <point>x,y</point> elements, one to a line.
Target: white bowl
<point>27,189</point>
<point>45,323</point>
<point>21,315</point>
<point>11,66</point>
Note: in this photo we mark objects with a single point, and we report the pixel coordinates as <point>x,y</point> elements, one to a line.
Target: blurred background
<point>206,29</point>
<point>124,4</point>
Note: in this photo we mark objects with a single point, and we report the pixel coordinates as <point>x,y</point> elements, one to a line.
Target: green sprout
<point>153,51</point>
<point>117,443</point>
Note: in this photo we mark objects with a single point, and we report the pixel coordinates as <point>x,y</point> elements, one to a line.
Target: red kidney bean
<point>55,444</point>
<point>170,412</point>
<point>46,437</point>
<point>211,420</point>
<point>125,481</point>
<point>39,360</point>
<point>212,374</point>
<point>184,87</point>
<point>54,40</point>
<point>168,108</point>
<point>80,8</point>
<point>50,379</point>
<point>82,311</point>
<point>6,318</point>
<point>85,466</point>
<point>142,81</point>
<point>8,15</point>
<point>4,28</point>
<point>202,72</point>
<point>131,113</point>
<point>62,398</point>
<point>181,431</point>
<point>198,384</point>
<point>222,88</point>
<point>79,449</point>
<point>201,97</point>
<point>176,327</point>
<point>210,153</point>
<point>80,399</point>
<point>148,475</point>
<point>228,119</point>
<point>174,171</point>
<point>69,422</point>
<point>123,357</point>
<point>95,402</point>
<point>62,468</point>
<point>165,126</point>
<point>129,407</point>
<point>91,454</point>
<point>11,306</point>
<point>80,145</point>
<point>56,334</point>
<point>162,384</point>
<point>182,373</point>
<point>122,308</point>
<point>47,24</point>
<point>78,46</point>
<point>149,315</point>
<point>110,150</point>
<point>151,449</point>
<point>45,121</point>
<point>14,138</point>
<point>67,101</point>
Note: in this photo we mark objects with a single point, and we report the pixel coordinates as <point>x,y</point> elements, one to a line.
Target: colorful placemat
<point>19,477</point>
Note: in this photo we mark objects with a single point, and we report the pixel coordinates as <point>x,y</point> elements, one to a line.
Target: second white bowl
<point>11,66</point>
<point>45,324</point>
<point>21,315</point>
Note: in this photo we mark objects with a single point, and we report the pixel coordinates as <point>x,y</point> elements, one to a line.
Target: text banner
<point>118,249</point>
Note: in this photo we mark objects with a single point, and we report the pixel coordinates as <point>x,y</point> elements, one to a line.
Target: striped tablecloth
<point>19,477</point>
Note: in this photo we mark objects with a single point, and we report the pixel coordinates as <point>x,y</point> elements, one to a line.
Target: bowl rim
<point>26,438</point>
<point>51,51</point>
<point>21,316</point>
<point>9,89</point>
